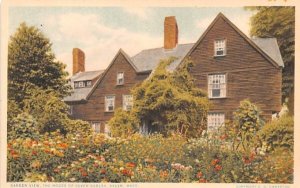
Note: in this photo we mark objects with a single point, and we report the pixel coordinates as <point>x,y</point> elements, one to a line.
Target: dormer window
<point>120,78</point>
<point>82,84</point>
<point>220,47</point>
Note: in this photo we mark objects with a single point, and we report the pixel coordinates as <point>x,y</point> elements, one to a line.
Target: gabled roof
<point>148,60</point>
<point>80,94</point>
<point>252,43</point>
<point>107,69</point>
<point>270,47</point>
<point>88,75</point>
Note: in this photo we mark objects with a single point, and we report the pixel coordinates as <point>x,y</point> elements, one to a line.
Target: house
<point>228,65</point>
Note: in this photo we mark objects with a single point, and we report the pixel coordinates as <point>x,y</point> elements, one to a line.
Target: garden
<point>82,157</point>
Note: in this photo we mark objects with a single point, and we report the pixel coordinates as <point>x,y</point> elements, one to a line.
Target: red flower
<point>202,180</point>
<point>218,167</point>
<point>199,175</point>
<point>34,152</point>
<point>102,171</point>
<point>126,172</point>
<point>223,137</point>
<point>84,173</point>
<point>96,165</point>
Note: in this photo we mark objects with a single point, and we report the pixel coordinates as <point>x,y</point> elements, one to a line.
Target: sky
<point>101,31</point>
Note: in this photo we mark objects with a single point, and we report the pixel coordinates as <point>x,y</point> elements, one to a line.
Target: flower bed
<point>83,158</point>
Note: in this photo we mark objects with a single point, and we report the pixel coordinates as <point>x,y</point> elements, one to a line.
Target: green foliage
<point>23,126</point>
<point>278,134</point>
<point>247,122</point>
<point>278,22</point>
<point>171,101</point>
<point>31,63</point>
<point>123,124</point>
<point>49,110</point>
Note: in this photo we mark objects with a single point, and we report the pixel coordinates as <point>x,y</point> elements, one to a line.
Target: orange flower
<point>96,165</point>
<point>126,172</point>
<point>56,170</point>
<point>218,167</point>
<point>215,161</point>
<point>163,174</point>
<point>62,145</point>
<point>130,165</point>
<point>199,175</point>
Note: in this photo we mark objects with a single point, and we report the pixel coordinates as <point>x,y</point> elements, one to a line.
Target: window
<point>75,84</point>
<point>215,120</point>
<point>89,83</point>
<point>81,84</point>
<point>127,102</point>
<point>96,126</point>
<point>109,103</point>
<point>70,110</point>
<point>220,47</point>
<point>120,78</point>
<point>217,86</point>
<point>107,130</point>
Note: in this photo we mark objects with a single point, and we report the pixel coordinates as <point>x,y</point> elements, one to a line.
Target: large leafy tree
<point>278,22</point>
<point>31,63</point>
<point>169,101</point>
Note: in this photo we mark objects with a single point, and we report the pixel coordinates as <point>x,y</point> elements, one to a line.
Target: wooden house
<point>228,65</point>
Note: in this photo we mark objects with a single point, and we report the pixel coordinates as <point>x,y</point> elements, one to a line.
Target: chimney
<point>170,32</point>
<point>78,60</point>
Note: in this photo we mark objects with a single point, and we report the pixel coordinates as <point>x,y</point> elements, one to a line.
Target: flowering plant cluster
<point>94,158</point>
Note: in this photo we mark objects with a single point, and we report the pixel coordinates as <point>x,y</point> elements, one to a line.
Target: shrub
<point>23,126</point>
<point>278,134</point>
<point>123,124</point>
<point>247,122</point>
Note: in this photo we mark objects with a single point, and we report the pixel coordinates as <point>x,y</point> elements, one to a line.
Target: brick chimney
<point>170,32</point>
<point>78,60</point>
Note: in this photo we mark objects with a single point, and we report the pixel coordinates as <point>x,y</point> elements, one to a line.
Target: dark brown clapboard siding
<point>249,74</point>
<point>93,109</point>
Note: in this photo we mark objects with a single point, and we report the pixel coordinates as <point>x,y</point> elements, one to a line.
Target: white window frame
<point>70,109</point>
<point>217,82</point>
<point>120,78</point>
<point>96,126</point>
<point>107,129</point>
<point>81,84</point>
<point>215,120</point>
<point>220,46</point>
<point>127,102</point>
<point>89,83</point>
<point>109,99</point>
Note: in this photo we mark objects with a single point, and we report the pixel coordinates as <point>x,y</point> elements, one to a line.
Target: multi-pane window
<point>127,102</point>
<point>109,103</point>
<point>215,120</point>
<point>89,83</point>
<point>120,78</point>
<point>216,85</point>
<point>107,129</point>
<point>96,126</point>
<point>70,110</point>
<point>80,84</point>
<point>220,47</point>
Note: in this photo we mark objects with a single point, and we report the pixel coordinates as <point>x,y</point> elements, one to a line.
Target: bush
<point>123,124</point>
<point>278,134</point>
<point>23,126</point>
<point>247,122</point>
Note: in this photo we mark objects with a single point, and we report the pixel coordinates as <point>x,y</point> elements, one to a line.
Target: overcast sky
<point>101,31</point>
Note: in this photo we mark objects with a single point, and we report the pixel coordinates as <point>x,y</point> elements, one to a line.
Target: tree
<point>31,63</point>
<point>278,22</point>
<point>170,102</point>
